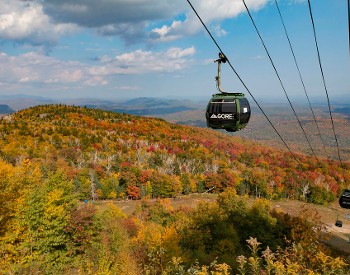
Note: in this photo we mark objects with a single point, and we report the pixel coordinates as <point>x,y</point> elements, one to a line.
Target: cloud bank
<point>35,68</point>
<point>39,22</point>
<point>22,21</point>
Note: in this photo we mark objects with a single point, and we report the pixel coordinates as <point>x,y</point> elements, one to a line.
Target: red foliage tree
<point>133,192</point>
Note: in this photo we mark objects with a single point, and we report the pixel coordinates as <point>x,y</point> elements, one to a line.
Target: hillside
<point>187,112</point>
<point>65,170</point>
<point>102,145</point>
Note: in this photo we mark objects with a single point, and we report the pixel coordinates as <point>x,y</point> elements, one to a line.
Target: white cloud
<point>96,81</point>
<point>125,18</point>
<point>95,14</point>
<point>44,22</point>
<point>219,31</point>
<point>210,11</point>
<point>140,61</point>
<point>179,53</point>
<point>35,68</point>
<point>129,88</point>
<point>164,33</point>
<point>25,21</point>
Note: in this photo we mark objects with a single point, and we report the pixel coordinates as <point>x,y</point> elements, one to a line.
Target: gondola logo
<point>222,116</point>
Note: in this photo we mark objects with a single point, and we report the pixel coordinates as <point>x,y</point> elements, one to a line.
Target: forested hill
<point>113,156</point>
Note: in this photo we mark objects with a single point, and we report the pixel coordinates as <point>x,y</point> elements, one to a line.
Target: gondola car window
<point>245,110</point>
<point>344,199</point>
<point>214,107</point>
<point>210,108</point>
<point>229,107</point>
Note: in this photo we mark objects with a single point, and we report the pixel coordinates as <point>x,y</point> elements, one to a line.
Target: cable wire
<point>243,83</point>
<point>280,80</point>
<point>323,79</point>
<point>300,76</point>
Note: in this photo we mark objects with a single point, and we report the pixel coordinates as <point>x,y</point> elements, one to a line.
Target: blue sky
<point>133,48</point>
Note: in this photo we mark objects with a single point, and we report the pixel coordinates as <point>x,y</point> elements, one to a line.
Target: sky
<point>112,49</point>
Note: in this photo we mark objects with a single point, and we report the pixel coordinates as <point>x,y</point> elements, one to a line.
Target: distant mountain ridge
<point>148,102</point>
<point>344,111</point>
<point>5,109</point>
<point>19,101</point>
<point>143,106</point>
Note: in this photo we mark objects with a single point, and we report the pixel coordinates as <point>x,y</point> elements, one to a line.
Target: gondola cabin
<point>344,200</point>
<point>228,111</point>
<point>339,223</point>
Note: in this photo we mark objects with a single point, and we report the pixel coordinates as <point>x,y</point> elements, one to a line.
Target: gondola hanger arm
<point>222,59</point>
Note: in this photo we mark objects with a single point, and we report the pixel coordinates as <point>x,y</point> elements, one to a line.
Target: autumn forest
<point>62,168</point>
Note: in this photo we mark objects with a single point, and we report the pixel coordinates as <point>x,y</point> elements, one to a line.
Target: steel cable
<point>323,79</point>
<point>243,83</point>
<point>280,80</point>
<point>300,75</point>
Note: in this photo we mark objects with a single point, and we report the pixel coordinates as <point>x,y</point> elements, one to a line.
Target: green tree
<point>42,215</point>
<point>208,235</point>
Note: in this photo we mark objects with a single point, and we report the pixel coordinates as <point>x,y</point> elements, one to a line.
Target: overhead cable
<point>323,79</point>
<point>300,76</point>
<point>280,80</point>
<point>243,83</point>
